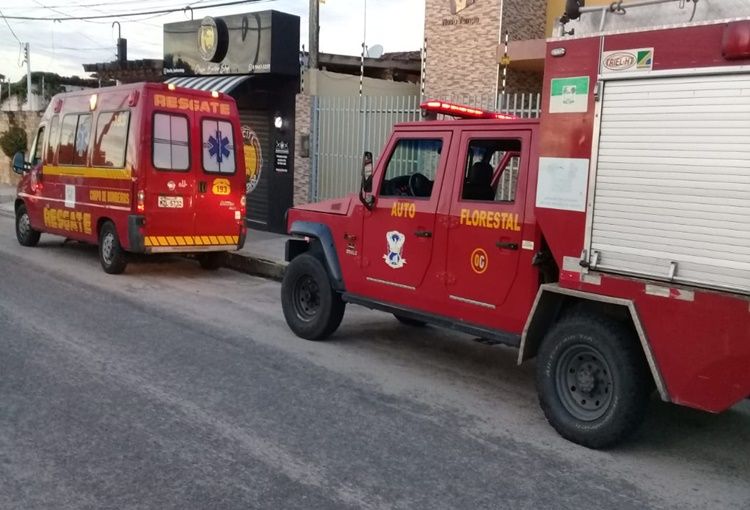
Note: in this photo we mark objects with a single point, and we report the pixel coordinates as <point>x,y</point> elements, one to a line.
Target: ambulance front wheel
<point>312,307</point>
<point>26,235</point>
<point>111,255</point>
<point>593,380</point>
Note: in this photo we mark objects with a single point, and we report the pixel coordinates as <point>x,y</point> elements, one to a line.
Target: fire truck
<point>609,239</point>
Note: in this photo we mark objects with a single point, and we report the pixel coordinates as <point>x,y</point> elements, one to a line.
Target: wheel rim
<point>24,225</point>
<point>306,298</point>
<point>584,382</point>
<point>107,248</point>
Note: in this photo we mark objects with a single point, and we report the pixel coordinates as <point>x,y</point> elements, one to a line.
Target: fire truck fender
<point>552,299</point>
<point>327,253</point>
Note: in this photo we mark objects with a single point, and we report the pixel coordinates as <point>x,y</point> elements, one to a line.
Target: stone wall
<point>301,164</point>
<point>461,47</point>
<point>29,121</point>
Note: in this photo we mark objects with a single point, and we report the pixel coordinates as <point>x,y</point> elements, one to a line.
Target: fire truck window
<point>171,142</point>
<point>491,171</point>
<point>67,140</point>
<point>38,145</point>
<point>218,146</point>
<point>52,140</point>
<point>411,169</point>
<point>83,135</point>
<point>111,140</point>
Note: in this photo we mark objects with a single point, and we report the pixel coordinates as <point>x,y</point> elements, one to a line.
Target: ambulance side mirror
<point>19,163</point>
<point>365,189</point>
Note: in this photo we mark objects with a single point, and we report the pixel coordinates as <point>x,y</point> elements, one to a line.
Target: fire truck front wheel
<point>593,381</point>
<point>26,235</point>
<point>111,255</point>
<point>312,308</point>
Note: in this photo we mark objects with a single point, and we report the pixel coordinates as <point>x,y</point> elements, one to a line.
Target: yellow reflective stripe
<point>223,240</point>
<point>214,240</point>
<point>205,240</point>
<point>171,241</point>
<point>147,241</point>
<point>235,239</point>
<point>119,174</point>
<point>162,241</point>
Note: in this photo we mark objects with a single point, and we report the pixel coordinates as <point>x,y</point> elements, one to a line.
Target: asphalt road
<point>170,387</point>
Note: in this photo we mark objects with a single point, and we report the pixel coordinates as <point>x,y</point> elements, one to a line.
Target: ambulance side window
<point>74,139</point>
<point>218,146</point>
<point>111,140</point>
<point>52,140</point>
<point>171,142</point>
<point>36,157</point>
<point>491,171</point>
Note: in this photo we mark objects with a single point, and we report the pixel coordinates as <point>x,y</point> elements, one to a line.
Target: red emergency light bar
<point>462,111</point>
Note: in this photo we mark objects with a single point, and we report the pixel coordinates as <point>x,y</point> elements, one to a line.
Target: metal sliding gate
<point>344,127</point>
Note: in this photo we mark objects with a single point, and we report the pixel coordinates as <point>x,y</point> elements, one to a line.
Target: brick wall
<point>29,121</point>
<point>461,48</point>
<point>301,165</point>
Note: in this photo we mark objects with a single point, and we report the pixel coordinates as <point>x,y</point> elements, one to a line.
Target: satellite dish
<point>375,51</point>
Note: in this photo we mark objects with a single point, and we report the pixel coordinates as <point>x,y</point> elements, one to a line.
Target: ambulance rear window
<point>218,146</point>
<point>171,142</point>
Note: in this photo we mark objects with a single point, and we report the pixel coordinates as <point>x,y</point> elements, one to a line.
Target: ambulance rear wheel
<point>26,235</point>
<point>593,381</point>
<point>211,261</point>
<point>111,255</point>
<point>312,307</point>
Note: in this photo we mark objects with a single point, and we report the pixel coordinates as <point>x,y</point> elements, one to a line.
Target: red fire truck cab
<point>141,168</point>
<point>610,239</point>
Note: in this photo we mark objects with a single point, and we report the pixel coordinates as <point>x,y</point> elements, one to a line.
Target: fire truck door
<point>486,219</point>
<point>398,232</point>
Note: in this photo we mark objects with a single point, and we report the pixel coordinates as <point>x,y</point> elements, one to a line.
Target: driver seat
<point>479,184</point>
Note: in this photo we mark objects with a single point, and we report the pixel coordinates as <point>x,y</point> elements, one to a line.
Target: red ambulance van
<point>139,168</point>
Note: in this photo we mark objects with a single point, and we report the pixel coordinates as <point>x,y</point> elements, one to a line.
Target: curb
<point>255,266</point>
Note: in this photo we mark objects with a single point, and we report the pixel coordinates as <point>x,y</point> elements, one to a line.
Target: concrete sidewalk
<point>263,254</point>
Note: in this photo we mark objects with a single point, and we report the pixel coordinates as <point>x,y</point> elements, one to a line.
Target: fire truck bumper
<point>136,237</point>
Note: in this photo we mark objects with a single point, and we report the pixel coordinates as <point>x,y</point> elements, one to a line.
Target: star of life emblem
<point>396,242</point>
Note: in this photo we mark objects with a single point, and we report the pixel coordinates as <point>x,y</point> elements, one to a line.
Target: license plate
<point>171,202</point>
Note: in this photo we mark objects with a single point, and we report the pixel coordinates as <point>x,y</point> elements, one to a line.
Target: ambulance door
<point>399,230</point>
<point>218,193</point>
<point>486,224</point>
<point>170,186</point>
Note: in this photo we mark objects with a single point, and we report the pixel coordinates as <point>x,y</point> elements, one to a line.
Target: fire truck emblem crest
<point>396,242</point>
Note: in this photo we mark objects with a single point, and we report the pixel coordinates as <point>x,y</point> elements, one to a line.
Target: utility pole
<point>312,62</point>
<point>27,57</point>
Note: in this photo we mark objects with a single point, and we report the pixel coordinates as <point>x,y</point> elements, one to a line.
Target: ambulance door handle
<point>202,186</point>
<point>506,245</point>
<point>423,233</point>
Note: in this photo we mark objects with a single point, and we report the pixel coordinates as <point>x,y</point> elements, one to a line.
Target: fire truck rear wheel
<point>592,380</point>
<point>410,322</point>
<point>312,307</point>
<point>111,255</point>
<point>26,235</point>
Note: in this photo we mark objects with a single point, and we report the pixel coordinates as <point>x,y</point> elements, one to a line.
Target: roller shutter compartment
<point>672,191</point>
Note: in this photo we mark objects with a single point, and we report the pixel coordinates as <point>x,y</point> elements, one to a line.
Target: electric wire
<point>10,27</point>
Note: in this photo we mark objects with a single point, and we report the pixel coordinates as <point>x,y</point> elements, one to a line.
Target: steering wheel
<point>417,181</point>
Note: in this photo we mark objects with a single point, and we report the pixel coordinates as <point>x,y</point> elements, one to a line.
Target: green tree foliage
<point>13,140</point>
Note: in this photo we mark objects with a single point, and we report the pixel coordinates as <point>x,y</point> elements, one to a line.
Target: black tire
<point>211,261</point>
<point>592,380</point>
<point>113,258</point>
<point>25,234</point>
<point>312,308</point>
<point>409,322</point>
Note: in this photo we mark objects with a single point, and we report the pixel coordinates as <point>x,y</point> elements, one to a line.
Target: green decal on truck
<point>569,95</point>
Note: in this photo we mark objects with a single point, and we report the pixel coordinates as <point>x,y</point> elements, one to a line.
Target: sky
<point>62,47</point>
